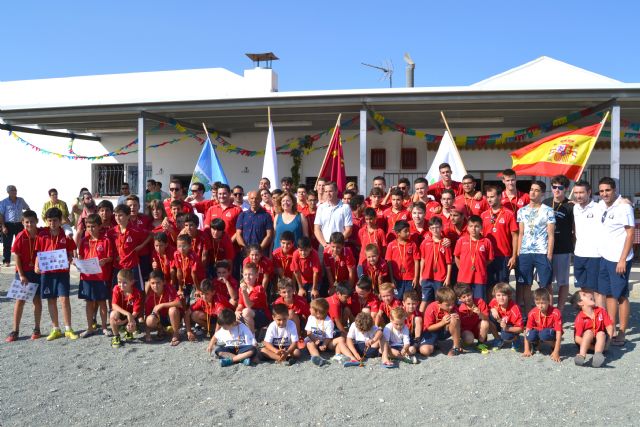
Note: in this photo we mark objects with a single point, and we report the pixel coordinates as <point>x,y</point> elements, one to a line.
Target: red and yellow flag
<point>563,153</point>
<point>332,168</point>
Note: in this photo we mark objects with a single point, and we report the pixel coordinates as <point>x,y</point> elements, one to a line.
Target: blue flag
<point>208,169</point>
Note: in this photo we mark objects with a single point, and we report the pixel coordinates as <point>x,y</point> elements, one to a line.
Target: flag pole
<point>606,116</point>
<point>327,152</point>
<point>446,124</point>
<point>206,131</point>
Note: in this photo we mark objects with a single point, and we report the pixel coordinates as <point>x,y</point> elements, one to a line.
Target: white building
<point>109,106</point>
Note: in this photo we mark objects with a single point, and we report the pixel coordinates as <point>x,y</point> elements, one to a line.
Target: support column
<point>362,177</point>
<point>615,143</point>
<point>142,160</point>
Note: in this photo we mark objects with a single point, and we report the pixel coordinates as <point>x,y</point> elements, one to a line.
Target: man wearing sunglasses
<point>563,241</point>
<point>237,196</point>
<point>176,193</point>
<point>616,249</point>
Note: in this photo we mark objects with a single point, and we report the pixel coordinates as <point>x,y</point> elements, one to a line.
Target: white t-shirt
<point>238,335</point>
<point>614,220</point>
<point>395,337</point>
<point>588,229</point>
<point>286,335</point>
<point>359,336</point>
<point>332,218</point>
<point>319,329</point>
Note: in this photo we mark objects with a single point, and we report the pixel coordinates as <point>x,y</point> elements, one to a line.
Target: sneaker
<point>36,334</point>
<point>496,344</point>
<point>414,360</point>
<point>13,335</point>
<point>55,334</point>
<point>482,348</point>
<point>406,359</point>
<point>87,333</point>
<point>598,360</point>
<point>246,362</point>
<point>107,332</point>
<point>514,346</point>
<point>226,362</point>
<point>128,336</point>
<point>116,342</point>
<point>94,325</point>
<point>578,360</point>
<point>70,334</point>
<point>318,361</point>
<point>340,358</point>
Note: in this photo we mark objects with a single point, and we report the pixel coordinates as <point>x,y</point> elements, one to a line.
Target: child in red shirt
<point>55,284</point>
<point>402,255</point>
<point>130,241</point>
<point>200,241</point>
<point>163,307</point>
<point>126,308</point>
<point>221,246</point>
<point>473,254</point>
<point>593,328</point>
<point>474,317</point>
<point>505,320</point>
<point>225,284</point>
<point>375,197</point>
<point>307,271</point>
<point>283,256</point>
<point>297,305</point>
<point>252,308</point>
<point>363,299</point>
<point>397,212</point>
<point>441,321</point>
<point>205,310</point>
<point>387,303</point>
<point>339,309</point>
<point>371,234</point>
<point>24,249</point>
<point>414,320</point>
<point>339,262</point>
<point>544,325</point>
<point>375,268</point>
<point>93,288</point>
<point>162,256</point>
<point>263,265</point>
<point>143,223</point>
<point>186,269</point>
<point>418,227</point>
<point>435,263</point>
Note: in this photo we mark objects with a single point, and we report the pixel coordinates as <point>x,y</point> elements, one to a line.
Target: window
<point>409,158</point>
<point>107,178</point>
<point>378,158</point>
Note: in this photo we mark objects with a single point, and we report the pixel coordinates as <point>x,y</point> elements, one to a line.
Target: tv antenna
<point>387,70</point>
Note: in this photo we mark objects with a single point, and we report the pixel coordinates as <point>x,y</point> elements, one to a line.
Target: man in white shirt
<point>616,249</point>
<point>332,216</point>
<point>586,257</point>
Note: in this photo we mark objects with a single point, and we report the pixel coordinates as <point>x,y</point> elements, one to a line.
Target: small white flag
<point>447,153</point>
<point>270,165</point>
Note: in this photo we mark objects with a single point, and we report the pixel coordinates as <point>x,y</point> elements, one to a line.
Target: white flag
<point>447,153</point>
<point>270,165</point>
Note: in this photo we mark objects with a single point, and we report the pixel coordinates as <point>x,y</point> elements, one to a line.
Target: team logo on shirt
<point>100,248</point>
<point>481,248</point>
<point>228,214</point>
<point>129,240</point>
<point>501,221</point>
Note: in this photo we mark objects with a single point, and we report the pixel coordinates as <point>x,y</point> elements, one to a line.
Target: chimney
<point>262,77</point>
<point>411,66</point>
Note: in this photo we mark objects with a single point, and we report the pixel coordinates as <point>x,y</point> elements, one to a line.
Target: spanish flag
<point>563,153</point>
<point>332,168</point>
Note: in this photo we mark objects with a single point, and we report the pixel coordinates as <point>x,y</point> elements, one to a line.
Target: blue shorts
<point>371,352</point>
<point>402,286</point>
<point>431,338</point>
<point>498,271</point>
<point>260,319</point>
<point>611,283</point>
<point>454,273</point>
<point>235,350</point>
<point>398,347</point>
<point>527,263</point>
<point>429,288</point>
<point>54,285</point>
<point>479,291</point>
<point>93,290</point>
<point>504,335</point>
<point>547,334</point>
<point>32,277</point>
<point>586,271</point>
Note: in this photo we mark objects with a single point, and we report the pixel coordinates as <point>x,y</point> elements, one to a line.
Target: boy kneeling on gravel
<point>593,328</point>
<point>164,309</point>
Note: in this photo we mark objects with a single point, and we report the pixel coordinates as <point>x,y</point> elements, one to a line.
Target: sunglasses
<point>402,188</point>
<point>238,194</point>
<point>173,189</point>
<point>558,187</point>
<point>195,190</point>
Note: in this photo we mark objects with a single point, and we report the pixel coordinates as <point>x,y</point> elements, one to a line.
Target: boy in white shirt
<point>234,340</point>
<point>281,339</point>
<point>365,340</point>
<point>398,338</point>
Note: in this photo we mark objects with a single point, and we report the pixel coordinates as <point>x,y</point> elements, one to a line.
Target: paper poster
<point>88,266</point>
<point>21,292</point>
<point>53,260</point>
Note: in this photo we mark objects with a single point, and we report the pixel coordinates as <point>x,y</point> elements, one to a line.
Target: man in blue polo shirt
<point>254,226</point>
<point>11,210</point>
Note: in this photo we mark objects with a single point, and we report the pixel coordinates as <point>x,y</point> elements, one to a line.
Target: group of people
<point>330,272</point>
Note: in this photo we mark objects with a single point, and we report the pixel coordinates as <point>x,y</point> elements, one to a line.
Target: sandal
<point>175,341</point>
<point>616,341</point>
<point>190,336</point>
<point>455,351</point>
<point>389,365</point>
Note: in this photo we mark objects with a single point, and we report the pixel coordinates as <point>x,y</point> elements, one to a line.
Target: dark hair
<point>93,219</point>
<point>302,186</point>
<point>490,188</point>
<point>156,274</point>
<point>404,180</point>
<point>444,165</point>
<point>105,204</point>
<point>206,286</point>
<point>193,218</point>
<point>469,176</point>
<point>364,283</point>
<point>199,186</point>
<point>176,181</point>
<point>356,201</point>
<point>419,205</point>
<point>434,220</point>
<point>223,263</point>
<point>175,203</point>
<point>445,294</point>
<point>400,225</point>
<point>607,181</point>
<point>226,317</point>
<point>161,237</point>
<point>541,294</point>
<point>53,213</point>
<point>53,190</point>
<point>398,193</point>
<point>462,289</point>
<point>370,213</point>
<point>343,288</point>
<point>30,214</point>
<point>412,295</point>
<point>184,238</point>
<point>380,178</point>
<point>287,236</point>
<point>254,247</point>
<point>540,184</point>
<point>448,191</point>
<point>420,180</point>
<point>583,183</point>
<point>223,186</point>
<point>560,179</point>
<point>122,209</point>
<point>218,224</point>
<point>280,310</point>
<point>337,237</point>
<point>286,180</point>
<point>376,191</point>
<point>474,219</point>
<point>133,197</point>
<point>304,242</point>
<point>508,172</point>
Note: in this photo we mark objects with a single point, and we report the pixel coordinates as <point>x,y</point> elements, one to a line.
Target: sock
<point>67,328</point>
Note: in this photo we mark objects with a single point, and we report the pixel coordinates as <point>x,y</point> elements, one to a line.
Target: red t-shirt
<point>221,287</point>
<point>539,320</point>
<point>100,248</point>
<point>498,228</point>
<point>25,247</point>
<point>203,206</point>
<point>433,208</point>
<point>417,236</point>
<point>335,307</point>
<point>258,298</point>
<point>131,303</point>
<point>375,237</point>
<point>143,223</point>
<point>521,199</point>
<point>171,236</point>
<point>436,258</point>
<point>411,319</point>
<point>446,221</point>
<point>599,322</point>
<point>386,308</point>
<point>300,306</point>
<point>469,320</point>
<point>265,266</point>
<point>378,273</point>
<point>153,299</point>
<point>186,208</point>
<point>474,257</point>
<point>212,308</point>
<point>200,243</point>
<point>452,233</point>
<point>306,266</point>
<point>434,314</point>
<point>222,249</point>
<point>435,189</point>
<point>371,302</point>
<point>392,217</point>
<point>164,262</point>
<point>284,262</point>
<point>339,266</point>
<point>229,215</point>
<point>512,312</point>
<point>126,242</point>
<point>470,206</point>
<point>46,242</point>
<point>311,217</point>
<point>190,265</point>
<point>403,257</point>
<point>353,242</point>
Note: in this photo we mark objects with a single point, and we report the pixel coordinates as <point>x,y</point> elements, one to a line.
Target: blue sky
<point>321,44</point>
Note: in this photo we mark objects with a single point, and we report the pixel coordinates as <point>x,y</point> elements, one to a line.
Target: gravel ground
<point>87,382</point>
